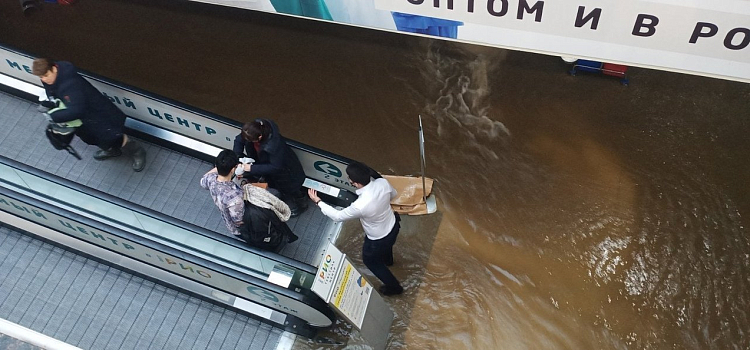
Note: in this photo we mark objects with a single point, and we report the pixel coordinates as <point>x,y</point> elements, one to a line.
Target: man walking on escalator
<point>98,121</point>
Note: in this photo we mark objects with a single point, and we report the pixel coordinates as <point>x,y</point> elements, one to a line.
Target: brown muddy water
<point>575,213</point>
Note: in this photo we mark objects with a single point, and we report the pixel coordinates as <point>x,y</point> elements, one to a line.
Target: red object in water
<point>615,70</point>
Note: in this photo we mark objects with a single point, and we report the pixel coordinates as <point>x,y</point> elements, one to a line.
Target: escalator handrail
<point>307,298</point>
<point>193,109</point>
<point>156,215</point>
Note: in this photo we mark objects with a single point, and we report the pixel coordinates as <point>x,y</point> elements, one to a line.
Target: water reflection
<point>575,234</point>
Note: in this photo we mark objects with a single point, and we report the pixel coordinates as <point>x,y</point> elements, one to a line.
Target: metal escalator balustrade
<point>163,242</point>
<point>200,132</point>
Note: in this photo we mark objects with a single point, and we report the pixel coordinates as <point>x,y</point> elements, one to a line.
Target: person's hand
<point>247,166</point>
<point>241,170</point>
<point>47,104</point>
<point>313,195</point>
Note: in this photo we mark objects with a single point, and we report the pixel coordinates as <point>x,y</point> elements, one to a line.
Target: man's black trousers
<point>378,255</point>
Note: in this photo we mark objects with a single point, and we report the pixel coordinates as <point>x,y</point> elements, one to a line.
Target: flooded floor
<point>575,213</point>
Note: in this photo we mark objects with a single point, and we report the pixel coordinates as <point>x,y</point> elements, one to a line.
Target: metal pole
<point>421,155</point>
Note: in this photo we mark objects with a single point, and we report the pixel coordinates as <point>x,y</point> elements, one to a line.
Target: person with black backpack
<point>264,221</point>
<point>80,109</point>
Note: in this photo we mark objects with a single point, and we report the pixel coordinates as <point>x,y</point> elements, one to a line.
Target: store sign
<point>352,294</point>
<point>325,170</point>
<point>691,36</point>
<point>340,284</point>
<point>328,272</point>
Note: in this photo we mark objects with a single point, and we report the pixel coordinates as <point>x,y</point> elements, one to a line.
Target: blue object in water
<point>426,25</point>
<point>588,66</point>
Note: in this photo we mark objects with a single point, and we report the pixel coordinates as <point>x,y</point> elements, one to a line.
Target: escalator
<point>91,305</point>
<point>85,219</point>
<point>158,224</point>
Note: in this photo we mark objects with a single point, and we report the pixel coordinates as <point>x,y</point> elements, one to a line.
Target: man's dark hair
<point>41,66</point>
<point>225,161</point>
<point>361,173</point>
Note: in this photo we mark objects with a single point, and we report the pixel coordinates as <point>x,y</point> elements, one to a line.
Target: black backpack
<point>262,228</point>
<point>60,138</point>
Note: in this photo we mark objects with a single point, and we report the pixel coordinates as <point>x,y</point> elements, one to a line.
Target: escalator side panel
<point>90,305</point>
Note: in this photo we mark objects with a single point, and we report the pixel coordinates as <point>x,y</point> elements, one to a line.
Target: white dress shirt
<point>373,208</point>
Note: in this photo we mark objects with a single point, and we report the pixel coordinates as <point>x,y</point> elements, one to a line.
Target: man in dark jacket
<point>103,124</point>
<point>274,160</point>
<point>264,230</point>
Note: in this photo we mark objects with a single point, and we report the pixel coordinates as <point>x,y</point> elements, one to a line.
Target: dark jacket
<point>276,161</point>
<point>103,122</point>
<point>263,229</point>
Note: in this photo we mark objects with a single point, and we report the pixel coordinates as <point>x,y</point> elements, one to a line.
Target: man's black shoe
<point>294,212</point>
<point>388,290</point>
<point>134,149</point>
<point>302,203</point>
<point>139,159</point>
<point>297,210</point>
<point>103,154</point>
<point>293,238</point>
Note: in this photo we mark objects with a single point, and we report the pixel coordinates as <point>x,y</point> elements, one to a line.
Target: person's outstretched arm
<point>348,213</point>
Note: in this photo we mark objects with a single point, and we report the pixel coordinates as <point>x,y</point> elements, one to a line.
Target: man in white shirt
<point>380,222</point>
